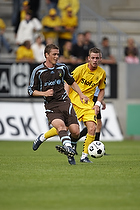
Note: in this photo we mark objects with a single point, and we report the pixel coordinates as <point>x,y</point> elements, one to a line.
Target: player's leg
<point>79,112</point>
<point>50,133</point>
<point>84,131</point>
<point>75,140</point>
<point>62,132</point>
<point>72,124</point>
<point>74,130</point>
<point>99,122</point>
<point>43,137</point>
<point>91,127</point>
<point>98,129</point>
<point>65,139</point>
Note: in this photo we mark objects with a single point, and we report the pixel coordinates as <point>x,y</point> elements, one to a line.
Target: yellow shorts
<point>85,115</point>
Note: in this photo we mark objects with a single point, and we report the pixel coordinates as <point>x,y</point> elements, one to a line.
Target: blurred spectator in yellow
<point>3,40</point>
<point>107,57</point>
<point>24,10</point>
<point>64,4</point>
<point>51,25</point>
<point>24,53</point>
<point>69,24</point>
<point>78,49</point>
<point>131,47</point>
<point>67,57</point>
<point>28,29</point>
<point>52,4</point>
<point>88,43</point>
<point>38,49</point>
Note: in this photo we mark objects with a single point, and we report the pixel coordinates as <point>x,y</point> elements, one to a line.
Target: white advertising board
<point>25,121</point>
<point>111,130</point>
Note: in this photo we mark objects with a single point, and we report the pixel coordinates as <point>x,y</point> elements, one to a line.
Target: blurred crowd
<point>59,26</point>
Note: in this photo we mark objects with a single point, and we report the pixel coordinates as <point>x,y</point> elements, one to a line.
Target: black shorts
<point>64,112</point>
<point>99,114</point>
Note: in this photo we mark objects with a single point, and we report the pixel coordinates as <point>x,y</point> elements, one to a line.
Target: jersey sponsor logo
<point>55,82</point>
<point>86,82</point>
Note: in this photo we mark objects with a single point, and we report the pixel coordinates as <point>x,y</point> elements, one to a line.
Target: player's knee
<point>75,133</point>
<point>91,130</point>
<point>61,127</point>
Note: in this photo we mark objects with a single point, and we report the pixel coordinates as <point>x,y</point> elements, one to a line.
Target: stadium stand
<point>116,24</point>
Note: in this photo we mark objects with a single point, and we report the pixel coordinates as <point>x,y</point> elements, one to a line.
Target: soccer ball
<point>96,149</point>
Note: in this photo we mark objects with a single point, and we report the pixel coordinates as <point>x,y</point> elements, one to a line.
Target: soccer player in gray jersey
<point>47,80</point>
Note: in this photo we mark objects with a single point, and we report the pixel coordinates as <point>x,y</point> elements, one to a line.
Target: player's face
<point>94,60</point>
<point>52,57</point>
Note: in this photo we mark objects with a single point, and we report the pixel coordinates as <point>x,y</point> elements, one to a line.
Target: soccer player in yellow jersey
<point>88,76</point>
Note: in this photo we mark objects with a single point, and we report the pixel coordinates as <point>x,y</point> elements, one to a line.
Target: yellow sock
<point>87,142</point>
<point>50,133</point>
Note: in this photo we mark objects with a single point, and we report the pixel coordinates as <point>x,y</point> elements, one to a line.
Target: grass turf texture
<point>43,179</point>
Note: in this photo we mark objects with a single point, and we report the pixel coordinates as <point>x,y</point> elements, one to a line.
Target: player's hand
<point>84,99</point>
<point>49,92</point>
<point>103,105</point>
<point>97,109</point>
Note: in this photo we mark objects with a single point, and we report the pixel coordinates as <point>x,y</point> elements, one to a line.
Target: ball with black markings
<point>96,149</point>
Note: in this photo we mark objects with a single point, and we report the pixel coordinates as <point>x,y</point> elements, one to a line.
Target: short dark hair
<point>94,50</point>
<point>86,32</point>
<point>105,38</point>
<point>49,47</point>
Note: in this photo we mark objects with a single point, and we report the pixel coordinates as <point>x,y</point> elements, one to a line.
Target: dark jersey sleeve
<point>34,83</point>
<point>68,77</point>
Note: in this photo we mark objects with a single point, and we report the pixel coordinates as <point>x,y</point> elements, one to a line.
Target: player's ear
<point>46,55</point>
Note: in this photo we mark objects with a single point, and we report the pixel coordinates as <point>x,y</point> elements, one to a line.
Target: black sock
<point>97,136</point>
<point>83,133</point>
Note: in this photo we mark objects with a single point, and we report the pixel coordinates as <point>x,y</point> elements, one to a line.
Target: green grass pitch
<point>43,179</point>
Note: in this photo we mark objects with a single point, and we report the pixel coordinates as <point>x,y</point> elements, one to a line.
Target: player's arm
<point>76,88</point>
<point>103,105</point>
<point>99,101</point>
<point>101,96</point>
<point>67,88</point>
<point>43,93</point>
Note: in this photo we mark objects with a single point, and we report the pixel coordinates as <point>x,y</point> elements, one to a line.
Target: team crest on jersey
<point>60,74</point>
<point>97,78</point>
